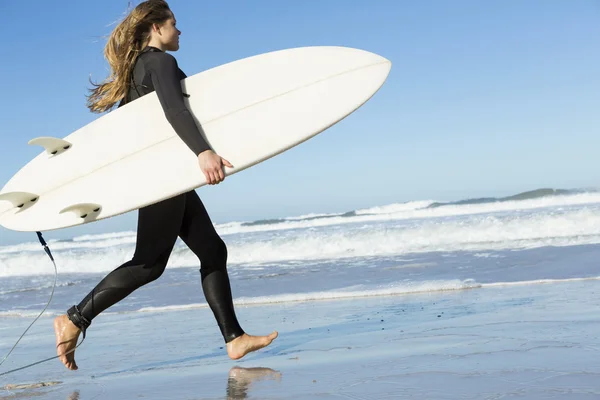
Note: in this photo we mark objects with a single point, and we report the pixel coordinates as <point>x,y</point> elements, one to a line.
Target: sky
<point>483,99</point>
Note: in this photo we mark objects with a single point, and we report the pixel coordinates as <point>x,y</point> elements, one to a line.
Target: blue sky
<point>484,98</point>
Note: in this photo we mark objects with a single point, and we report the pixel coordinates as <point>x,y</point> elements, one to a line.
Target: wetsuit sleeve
<point>167,84</point>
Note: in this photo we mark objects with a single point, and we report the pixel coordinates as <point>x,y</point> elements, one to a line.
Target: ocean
<point>385,250</point>
<point>404,250</point>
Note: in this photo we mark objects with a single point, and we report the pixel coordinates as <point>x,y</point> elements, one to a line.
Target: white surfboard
<point>251,109</point>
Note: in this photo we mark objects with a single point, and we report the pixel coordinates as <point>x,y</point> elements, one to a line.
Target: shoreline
<point>540,343</point>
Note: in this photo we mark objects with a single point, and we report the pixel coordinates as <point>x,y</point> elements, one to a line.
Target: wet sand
<point>539,341</point>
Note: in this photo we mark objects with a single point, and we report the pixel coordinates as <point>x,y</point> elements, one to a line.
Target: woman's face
<point>168,34</point>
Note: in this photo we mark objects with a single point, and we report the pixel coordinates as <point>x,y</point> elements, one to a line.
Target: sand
<point>539,341</point>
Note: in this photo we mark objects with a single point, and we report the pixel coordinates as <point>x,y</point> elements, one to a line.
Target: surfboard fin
<point>86,211</point>
<point>20,200</point>
<point>53,146</point>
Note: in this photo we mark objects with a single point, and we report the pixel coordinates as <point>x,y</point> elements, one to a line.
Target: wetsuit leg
<point>198,233</point>
<point>157,230</point>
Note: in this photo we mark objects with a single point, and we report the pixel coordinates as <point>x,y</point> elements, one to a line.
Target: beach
<point>488,343</point>
<point>460,302</point>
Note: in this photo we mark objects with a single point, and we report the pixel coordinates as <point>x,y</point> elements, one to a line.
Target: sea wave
<point>477,233</point>
<point>393,289</point>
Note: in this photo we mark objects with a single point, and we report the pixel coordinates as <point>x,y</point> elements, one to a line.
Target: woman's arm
<point>167,84</point>
<point>165,78</point>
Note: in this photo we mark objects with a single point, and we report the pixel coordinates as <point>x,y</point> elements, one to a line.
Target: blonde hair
<point>124,44</point>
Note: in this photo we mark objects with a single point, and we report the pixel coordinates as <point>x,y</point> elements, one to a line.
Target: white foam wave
<point>310,216</point>
<point>395,208</point>
<point>38,288</point>
<point>27,314</point>
<point>79,242</point>
<point>395,289</point>
<point>69,261</point>
<point>57,246</point>
<point>23,247</point>
<point>346,293</point>
<point>474,233</point>
<point>539,282</point>
<point>417,210</point>
<point>102,236</point>
<point>471,233</point>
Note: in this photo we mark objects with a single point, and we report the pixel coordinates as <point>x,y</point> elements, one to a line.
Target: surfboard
<point>250,110</point>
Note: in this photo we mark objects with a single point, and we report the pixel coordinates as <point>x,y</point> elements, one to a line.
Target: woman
<point>136,52</point>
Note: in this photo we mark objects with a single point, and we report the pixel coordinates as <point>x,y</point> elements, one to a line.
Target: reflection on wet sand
<point>240,380</point>
<point>239,384</point>
<point>10,395</point>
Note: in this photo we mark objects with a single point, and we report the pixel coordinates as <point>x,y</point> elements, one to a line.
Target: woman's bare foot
<point>245,344</point>
<point>66,340</point>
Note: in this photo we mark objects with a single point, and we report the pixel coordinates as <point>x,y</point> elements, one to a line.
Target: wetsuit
<point>160,224</point>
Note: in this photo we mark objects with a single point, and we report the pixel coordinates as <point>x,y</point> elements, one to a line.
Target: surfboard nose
<point>375,58</point>
<point>353,59</point>
<point>366,60</point>
<point>359,57</point>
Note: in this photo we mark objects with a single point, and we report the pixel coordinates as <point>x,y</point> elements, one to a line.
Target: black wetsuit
<point>160,224</point>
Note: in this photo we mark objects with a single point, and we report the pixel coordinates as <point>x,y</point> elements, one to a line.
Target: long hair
<point>124,44</point>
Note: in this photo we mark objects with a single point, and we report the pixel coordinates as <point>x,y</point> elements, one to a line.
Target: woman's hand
<point>211,165</point>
